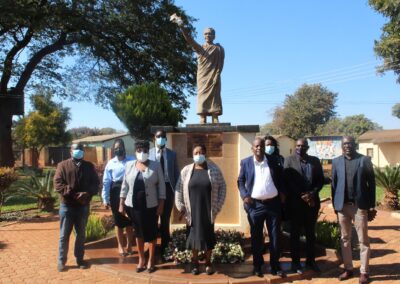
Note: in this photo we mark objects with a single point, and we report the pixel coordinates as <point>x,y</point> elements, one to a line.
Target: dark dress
<point>120,220</point>
<point>144,219</point>
<point>201,231</point>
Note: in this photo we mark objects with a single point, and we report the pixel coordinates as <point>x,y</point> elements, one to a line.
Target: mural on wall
<point>325,147</point>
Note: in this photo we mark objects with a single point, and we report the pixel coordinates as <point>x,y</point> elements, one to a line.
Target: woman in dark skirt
<point>200,194</point>
<point>112,180</point>
<point>142,199</point>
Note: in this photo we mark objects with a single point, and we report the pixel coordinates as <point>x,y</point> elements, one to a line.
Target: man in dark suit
<point>304,178</point>
<point>259,184</point>
<point>169,165</point>
<point>353,198</point>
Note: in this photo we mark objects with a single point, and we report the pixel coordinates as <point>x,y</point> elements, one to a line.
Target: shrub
<point>328,234</point>
<point>40,188</point>
<point>228,248</point>
<point>94,228</point>
<point>7,177</point>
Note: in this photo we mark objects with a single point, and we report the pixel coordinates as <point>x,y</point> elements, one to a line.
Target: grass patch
<point>19,203</point>
<point>326,192</point>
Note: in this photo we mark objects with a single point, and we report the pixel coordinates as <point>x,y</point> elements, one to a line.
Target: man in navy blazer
<point>353,198</point>
<point>259,184</point>
<point>169,165</point>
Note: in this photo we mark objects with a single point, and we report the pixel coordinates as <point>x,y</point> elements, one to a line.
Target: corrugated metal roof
<point>99,138</point>
<point>381,136</point>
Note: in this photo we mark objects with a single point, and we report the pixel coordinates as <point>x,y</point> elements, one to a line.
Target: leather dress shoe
<point>140,269</point>
<point>82,264</point>
<point>278,272</point>
<point>363,278</point>
<point>257,272</point>
<point>347,274</point>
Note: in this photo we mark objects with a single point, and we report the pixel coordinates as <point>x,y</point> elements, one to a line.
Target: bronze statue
<point>210,58</point>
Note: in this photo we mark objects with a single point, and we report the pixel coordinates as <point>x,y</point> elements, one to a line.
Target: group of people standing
<point>143,190</point>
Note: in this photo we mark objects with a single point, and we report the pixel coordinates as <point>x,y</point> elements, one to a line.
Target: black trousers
<point>302,216</point>
<point>166,216</point>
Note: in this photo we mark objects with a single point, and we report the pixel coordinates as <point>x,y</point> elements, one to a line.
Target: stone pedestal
<point>226,146</point>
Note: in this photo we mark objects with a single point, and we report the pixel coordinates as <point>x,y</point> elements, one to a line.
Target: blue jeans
<point>72,217</point>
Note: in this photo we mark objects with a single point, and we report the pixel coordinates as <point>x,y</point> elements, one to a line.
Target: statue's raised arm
<point>210,64</point>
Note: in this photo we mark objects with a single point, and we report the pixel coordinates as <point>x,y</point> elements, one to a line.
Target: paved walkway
<point>28,254</point>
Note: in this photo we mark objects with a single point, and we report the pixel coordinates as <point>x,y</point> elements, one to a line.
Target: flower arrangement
<point>228,248</point>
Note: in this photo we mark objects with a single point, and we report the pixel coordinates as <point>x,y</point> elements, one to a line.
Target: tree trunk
<point>390,200</point>
<point>6,151</point>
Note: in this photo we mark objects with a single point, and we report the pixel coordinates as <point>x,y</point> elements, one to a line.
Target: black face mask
<point>119,152</point>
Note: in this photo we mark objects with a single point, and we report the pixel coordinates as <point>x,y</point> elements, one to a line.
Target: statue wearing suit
<point>353,198</point>
<point>169,165</point>
<point>259,184</point>
<point>304,178</point>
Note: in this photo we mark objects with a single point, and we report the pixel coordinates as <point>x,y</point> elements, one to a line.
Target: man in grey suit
<point>353,198</point>
<point>169,165</point>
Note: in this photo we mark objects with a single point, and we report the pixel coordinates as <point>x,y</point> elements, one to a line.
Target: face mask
<point>269,150</point>
<point>199,159</point>
<point>77,154</point>
<point>161,141</point>
<point>119,152</point>
<point>142,157</point>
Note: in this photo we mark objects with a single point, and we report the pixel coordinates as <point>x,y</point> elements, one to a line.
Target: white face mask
<point>142,157</point>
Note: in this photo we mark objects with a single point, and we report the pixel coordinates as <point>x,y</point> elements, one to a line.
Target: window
<point>370,152</point>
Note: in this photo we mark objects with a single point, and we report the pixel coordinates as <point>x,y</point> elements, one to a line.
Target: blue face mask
<point>77,154</point>
<point>199,159</point>
<point>269,150</point>
<point>161,141</point>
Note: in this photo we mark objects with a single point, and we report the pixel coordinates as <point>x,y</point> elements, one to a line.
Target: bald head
<point>301,147</point>
<point>258,148</point>
<point>348,146</point>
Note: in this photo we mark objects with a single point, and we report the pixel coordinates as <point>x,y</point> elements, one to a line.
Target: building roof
<point>99,138</point>
<point>381,136</point>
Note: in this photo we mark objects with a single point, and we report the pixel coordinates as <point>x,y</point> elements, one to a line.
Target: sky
<point>273,47</point>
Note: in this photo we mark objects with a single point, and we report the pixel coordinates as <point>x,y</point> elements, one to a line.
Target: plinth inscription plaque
<point>212,141</point>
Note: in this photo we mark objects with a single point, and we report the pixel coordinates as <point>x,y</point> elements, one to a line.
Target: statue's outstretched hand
<point>176,19</point>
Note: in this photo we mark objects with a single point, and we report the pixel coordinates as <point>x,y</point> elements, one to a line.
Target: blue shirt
<point>114,171</point>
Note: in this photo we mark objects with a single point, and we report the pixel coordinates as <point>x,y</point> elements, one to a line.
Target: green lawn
<point>326,192</point>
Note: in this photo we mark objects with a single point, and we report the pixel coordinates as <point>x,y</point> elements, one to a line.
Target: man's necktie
<point>162,160</point>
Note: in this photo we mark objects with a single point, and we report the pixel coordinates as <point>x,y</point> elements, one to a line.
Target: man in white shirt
<point>259,184</point>
<point>169,165</point>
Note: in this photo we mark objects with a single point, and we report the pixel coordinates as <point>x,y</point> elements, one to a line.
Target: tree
<point>389,179</point>
<point>45,125</point>
<point>388,47</point>
<point>82,132</point>
<point>142,106</point>
<point>353,125</point>
<point>301,114</point>
<point>85,49</point>
<point>396,110</point>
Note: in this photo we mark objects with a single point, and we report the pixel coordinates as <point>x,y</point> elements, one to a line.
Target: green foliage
<point>328,233</point>
<point>107,44</point>
<point>301,114</point>
<point>228,248</point>
<point>45,125</point>
<point>40,188</point>
<point>353,125</point>
<point>396,110</point>
<point>389,179</point>
<point>94,228</point>
<point>388,46</point>
<point>82,132</point>
<point>91,50</point>
<point>144,105</point>
<point>7,177</point>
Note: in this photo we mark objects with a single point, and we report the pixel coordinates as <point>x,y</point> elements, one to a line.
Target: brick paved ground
<point>28,254</point>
